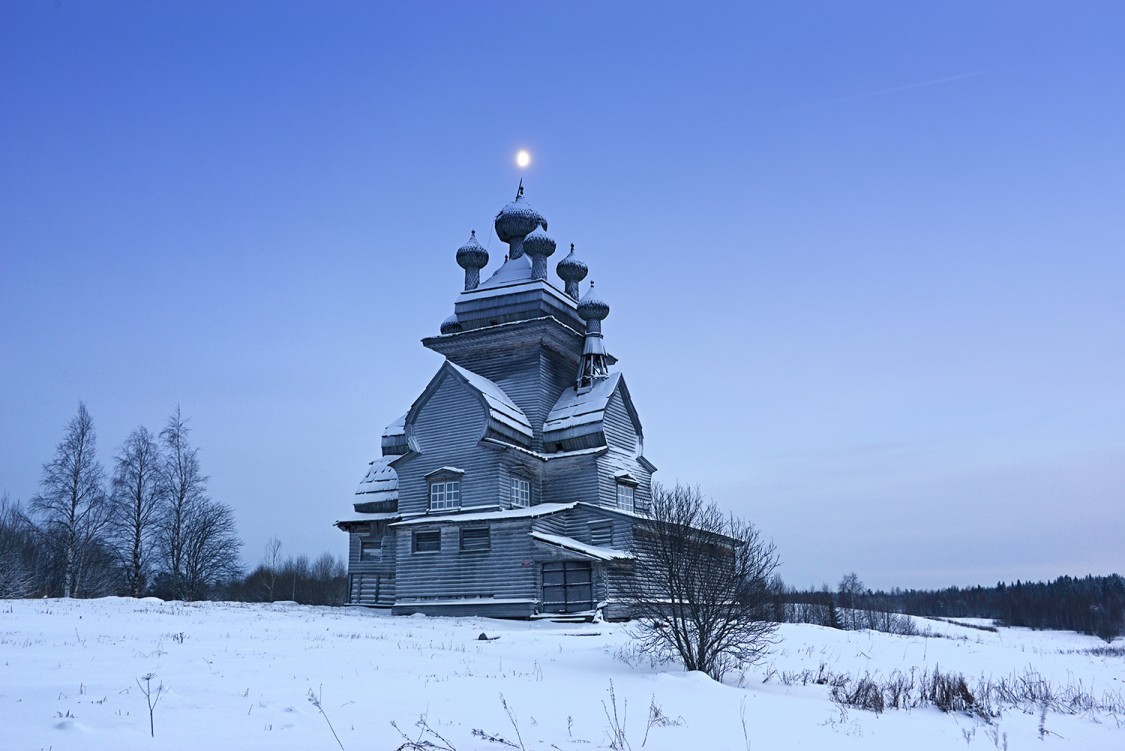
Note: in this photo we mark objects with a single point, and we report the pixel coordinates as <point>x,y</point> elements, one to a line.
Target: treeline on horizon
<point>1091,605</point>
<point>147,527</point>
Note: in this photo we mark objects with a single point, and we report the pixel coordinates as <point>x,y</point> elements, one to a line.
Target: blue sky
<point>864,260</point>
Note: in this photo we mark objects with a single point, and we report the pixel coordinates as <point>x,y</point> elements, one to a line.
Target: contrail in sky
<point>881,92</point>
<point>908,87</point>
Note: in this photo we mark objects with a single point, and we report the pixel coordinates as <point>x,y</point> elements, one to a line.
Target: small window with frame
<point>445,495</point>
<point>521,492</point>
<point>625,497</point>
<point>427,541</point>
<point>371,548</point>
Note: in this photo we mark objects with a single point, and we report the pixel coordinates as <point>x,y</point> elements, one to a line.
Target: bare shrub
<point>702,584</point>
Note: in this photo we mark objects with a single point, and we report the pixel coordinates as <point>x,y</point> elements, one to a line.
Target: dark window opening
<point>601,534</point>
<point>474,539</point>
<point>427,542</point>
<point>371,549</point>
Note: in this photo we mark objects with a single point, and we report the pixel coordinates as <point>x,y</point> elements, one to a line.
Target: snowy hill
<point>240,676</point>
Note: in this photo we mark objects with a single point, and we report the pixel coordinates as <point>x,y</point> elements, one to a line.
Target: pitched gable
<point>578,420</point>
<point>469,401</point>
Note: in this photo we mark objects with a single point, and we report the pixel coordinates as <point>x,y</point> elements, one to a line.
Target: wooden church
<point>513,485</point>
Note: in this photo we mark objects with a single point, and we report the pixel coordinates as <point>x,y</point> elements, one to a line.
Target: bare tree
<point>271,567</point>
<point>21,559</point>
<point>197,542</point>
<point>210,548</point>
<point>138,490</point>
<point>72,500</point>
<point>850,590</point>
<point>185,485</point>
<point>701,589</point>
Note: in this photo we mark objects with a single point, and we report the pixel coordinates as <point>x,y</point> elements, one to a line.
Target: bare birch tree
<point>271,567</point>
<point>850,590</point>
<point>72,501</point>
<point>701,589</point>
<point>197,541</point>
<point>138,491</point>
<point>185,486</point>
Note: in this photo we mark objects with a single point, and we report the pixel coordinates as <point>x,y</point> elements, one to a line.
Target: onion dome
<point>472,254</point>
<point>451,325</point>
<point>517,220</point>
<point>570,269</point>
<point>591,307</point>
<point>538,243</point>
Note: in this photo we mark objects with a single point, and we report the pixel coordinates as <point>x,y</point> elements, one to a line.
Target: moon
<point>523,158</point>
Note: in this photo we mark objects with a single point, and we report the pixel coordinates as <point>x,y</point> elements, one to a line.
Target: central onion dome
<point>516,221</point>
<point>571,271</point>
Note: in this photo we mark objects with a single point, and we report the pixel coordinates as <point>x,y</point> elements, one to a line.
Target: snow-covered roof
<point>574,409</point>
<point>513,270</point>
<point>381,481</point>
<point>446,471</point>
<point>398,427</point>
<point>548,457</point>
<point>500,407</point>
<point>361,517</point>
<point>594,551</point>
<point>530,512</point>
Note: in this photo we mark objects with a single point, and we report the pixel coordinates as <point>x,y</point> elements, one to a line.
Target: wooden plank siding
<point>571,479</point>
<point>622,456</point>
<point>447,433</point>
<point>433,582</point>
<point>371,580</point>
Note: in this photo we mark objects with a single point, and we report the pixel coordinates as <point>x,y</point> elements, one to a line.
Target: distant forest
<point>1090,605</point>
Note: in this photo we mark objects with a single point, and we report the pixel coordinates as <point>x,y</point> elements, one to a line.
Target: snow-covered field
<point>240,676</point>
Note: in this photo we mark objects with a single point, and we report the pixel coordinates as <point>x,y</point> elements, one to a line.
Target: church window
<point>445,495</point>
<point>521,492</point>
<point>624,497</point>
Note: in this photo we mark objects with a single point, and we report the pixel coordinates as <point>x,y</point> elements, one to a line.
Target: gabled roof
<point>504,417</point>
<point>580,413</point>
<point>574,409</point>
<point>501,408</point>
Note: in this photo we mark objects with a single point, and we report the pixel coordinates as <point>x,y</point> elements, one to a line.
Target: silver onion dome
<point>591,307</point>
<point>570,269</point>
<point>538,243</point>
<point>518,220</point>
<point>472,254</point>
<point>450,325</point>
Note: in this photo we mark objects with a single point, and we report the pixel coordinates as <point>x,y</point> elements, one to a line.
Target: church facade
<point>516,483</point>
